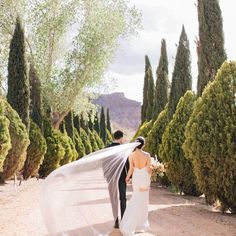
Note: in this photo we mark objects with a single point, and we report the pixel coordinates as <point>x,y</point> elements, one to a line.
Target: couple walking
<point>137,169</point>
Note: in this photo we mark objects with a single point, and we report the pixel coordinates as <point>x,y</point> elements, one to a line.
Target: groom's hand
<point>128,181</point>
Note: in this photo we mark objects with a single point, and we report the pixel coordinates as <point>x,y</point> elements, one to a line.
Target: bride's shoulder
<point>146,154</point>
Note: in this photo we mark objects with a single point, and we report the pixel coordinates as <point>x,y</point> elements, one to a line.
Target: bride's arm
<point>149,165</point>
<point>131,169</point>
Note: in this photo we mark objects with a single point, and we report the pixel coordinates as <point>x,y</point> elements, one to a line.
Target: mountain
<point>125,114</point>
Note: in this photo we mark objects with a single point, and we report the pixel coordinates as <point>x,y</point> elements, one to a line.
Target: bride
<point>74,197</point>
<point>135,218</point>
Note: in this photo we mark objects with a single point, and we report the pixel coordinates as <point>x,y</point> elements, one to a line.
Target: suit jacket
<point>126,167</point>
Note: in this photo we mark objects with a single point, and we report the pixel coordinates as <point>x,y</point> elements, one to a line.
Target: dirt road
<point>169,214</point>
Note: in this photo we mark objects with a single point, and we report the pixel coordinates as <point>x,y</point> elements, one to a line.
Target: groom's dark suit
<point>122,185</point>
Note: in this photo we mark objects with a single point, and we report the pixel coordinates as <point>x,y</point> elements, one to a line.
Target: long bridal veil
<point>75,198</point>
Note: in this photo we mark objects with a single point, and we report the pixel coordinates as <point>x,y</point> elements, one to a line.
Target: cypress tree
<point>179,168</point>
<point>86,141</point>
<point>79,146</point>
<point>162,83</point>
<point>18,94</point>
<point>108,121</point>
<point>154,137</point>
<point>90,122</point>
<point>98,139</point>
<point>35,97</point>
<point>181,79</point>
<point>150,97</point>
<point>145,90</point>
<point>211,138</point>
<point>93,141</point>
<point>103,133</point>
<point>83,124</point>
<point>69,125</point>
<point>210,46</point>
<point>96,123</point>
<point>76,121</point>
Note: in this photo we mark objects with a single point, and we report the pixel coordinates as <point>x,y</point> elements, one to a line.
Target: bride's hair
<point>141,140</point>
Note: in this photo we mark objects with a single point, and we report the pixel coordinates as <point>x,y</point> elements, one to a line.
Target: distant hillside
<point>125,113</point>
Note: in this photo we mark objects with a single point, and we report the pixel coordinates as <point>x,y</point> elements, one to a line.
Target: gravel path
<point>169,214</point>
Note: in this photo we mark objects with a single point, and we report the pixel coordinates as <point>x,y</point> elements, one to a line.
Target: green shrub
<point>5,140</point>
<point>179,169</point>
<point>70,152</point>
<point>93,141</point>
<point>86,142</point>
<point>16,156</point>
<point>55,151</point>
<point>98,140</point>
<point>211,138</point>
<point>35,151</point>
<point>154,137</point>
<point>143,130</point>
<point>79,146</point>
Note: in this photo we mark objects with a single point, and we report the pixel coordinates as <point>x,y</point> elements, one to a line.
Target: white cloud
<point>164,19</point>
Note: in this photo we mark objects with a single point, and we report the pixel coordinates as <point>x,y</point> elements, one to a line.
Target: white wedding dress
<point>135,218</point>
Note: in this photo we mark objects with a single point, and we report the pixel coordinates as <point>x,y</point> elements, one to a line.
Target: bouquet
<point>158,169</point>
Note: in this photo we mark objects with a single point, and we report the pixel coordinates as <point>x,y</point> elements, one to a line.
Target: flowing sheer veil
<point>75,198</point>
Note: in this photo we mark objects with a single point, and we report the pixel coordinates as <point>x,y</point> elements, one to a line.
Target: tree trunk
<point>57,118</point>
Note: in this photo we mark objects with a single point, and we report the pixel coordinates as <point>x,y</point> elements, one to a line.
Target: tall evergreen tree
<point>77,122</point>
<point>145,90</point>
<point>96,123</point>
<point>150,93</point>
<point>69,125</point>
<point>181,79</point>
<point>210,46</point>
<point>179,168</point>
<point>35,97</point>
<point>103,133</point>
<point>161,88</point>
<point>18,94</point>
<point>108,121</point>
<point>83,124</point>
<point>211,138</point>
<point>90,122</point>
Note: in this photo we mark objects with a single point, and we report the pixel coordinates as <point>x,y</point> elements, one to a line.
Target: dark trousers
<point>122,194</point>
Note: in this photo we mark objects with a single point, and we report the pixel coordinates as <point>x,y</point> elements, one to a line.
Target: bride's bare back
<point>140,159</point>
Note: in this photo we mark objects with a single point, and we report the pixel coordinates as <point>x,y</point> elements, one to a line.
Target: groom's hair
<point>118,134</point>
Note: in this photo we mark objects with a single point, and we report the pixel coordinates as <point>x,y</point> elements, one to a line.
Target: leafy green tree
<point>16,156</point>
<point>181,79</point>
<point>108,121</point>
<point>86,142</point>
<point>162,83</point>
<point>210,45</point>
<point>211,136</point>
<point>35,151</point>
<point>35,97</point>
<point>103,133</point>
<point>18,94</point>
<point>179,168</point>
<point>5,139</point>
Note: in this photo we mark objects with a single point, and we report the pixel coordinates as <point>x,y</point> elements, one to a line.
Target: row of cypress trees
<point>29,144</point>
<point>194,135</point>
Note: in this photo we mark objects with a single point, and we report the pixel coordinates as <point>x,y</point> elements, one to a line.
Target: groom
<point>118,139</point>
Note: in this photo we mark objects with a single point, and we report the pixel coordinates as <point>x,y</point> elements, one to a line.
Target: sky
<point>163,19</point>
